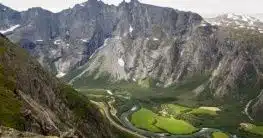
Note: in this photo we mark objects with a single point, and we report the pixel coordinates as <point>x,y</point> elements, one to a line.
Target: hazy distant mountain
<point>237,22</point>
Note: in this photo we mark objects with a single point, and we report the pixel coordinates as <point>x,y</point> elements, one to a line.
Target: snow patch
<point>211,108</point>
<point>134,108</point>
<point>182,52</point>
<point>155,39</point>
<point>12,28</point>
<point>39,40</point>
<point>203,24</point>
<point>232,16</point>
<point>245,18</point>
<point>130,29</point>
<point>82,4</point>
<point>109,92</point>
<point>57,42</point>
<point>204,129</point>
<point>216,72</point>
<point>60,74</point>
<point>84,40</point>
<point>216,23</point>
<point>121,62</point>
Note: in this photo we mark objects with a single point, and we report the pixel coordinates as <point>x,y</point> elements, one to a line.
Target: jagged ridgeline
<point>33,100</point>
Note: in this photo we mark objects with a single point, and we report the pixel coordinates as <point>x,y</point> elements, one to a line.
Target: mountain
<point>137,42</point>
<point>35,101</point>
<point>237,22</point>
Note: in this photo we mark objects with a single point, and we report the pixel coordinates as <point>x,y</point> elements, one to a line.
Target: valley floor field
<point>157,112</point>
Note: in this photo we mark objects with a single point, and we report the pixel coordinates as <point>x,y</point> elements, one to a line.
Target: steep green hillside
<point>33,100</point>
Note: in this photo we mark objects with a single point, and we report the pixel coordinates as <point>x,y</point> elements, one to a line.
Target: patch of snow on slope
<point>82,5</point>
<point>84,40</point>
<point>211,108</point>
<point>109,92</point>
<point>232,16</point>
<point>57,42</point>
<point>130,29</point>
<point>134,108</point>
<point>39,40</point>
<point>203,24</point>
<point>182,52</point>
<point>244,18</point>
<point>12,28</point>
<point>60,74</point>
<point>121,62</point>
<point>155,39</point>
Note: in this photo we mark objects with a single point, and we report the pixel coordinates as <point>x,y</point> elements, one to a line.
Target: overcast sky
<point>204,7</point>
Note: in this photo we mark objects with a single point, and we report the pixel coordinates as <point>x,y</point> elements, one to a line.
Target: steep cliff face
<point>63,41</point>
<point>32,100</point>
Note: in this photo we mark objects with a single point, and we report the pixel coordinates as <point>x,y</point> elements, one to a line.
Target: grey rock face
<point>83,29</point>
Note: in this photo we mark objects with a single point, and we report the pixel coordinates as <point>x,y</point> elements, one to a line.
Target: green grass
<point>175,126</point>
<point>176,109</point>
<point>10,105</point>
<point>148,120</point>
<point>75,101</point>
<point>200,111</point>
<point>86,90</point>
<point>247,127</point>
<point>145,119</point>
<point>219,135</point>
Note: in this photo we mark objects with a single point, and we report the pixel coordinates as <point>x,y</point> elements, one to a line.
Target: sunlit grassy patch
<point>145,119</point>
<point>148,120</point>
<point>258,130</point>
<point>175,126</point>
<point>177,109</point>
<point>204,111</point>
<point>219,135</point>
